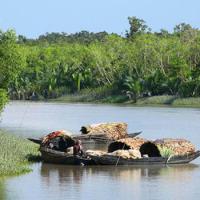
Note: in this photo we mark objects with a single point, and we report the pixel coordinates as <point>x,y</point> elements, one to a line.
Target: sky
<point>32,18</point>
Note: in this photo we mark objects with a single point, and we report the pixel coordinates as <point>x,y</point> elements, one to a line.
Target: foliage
<point>11,58</point>
<point>142,64</point>
<point>15,154</point>
<point>136,26</point>
<point>83,37</point>
<point>165,152</point>
<point>157,100</point>
<point>3,99</point>
<point>191,101</point>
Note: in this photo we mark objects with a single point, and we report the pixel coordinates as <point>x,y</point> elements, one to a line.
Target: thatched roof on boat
<point>114,130</point>
<point>178,146</point>
<point>56,134</point>
<point>154,148</point>
<point>126,143</point>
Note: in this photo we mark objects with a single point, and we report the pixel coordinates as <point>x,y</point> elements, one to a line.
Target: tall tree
<point>12,59</point>
<point>136,26</point>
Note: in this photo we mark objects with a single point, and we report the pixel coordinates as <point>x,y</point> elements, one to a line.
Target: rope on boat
<point>119,156</point>
<point>169,158</point>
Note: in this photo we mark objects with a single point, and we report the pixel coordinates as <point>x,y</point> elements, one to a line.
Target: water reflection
<point>121,182</point>
<point>65,174</point>
<point>48,181</point>
<point>61,173</point>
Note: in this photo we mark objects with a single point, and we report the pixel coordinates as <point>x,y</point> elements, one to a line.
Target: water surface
<point>52,182</point>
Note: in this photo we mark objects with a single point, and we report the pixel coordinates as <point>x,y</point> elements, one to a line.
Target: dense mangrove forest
<point>137,64</point>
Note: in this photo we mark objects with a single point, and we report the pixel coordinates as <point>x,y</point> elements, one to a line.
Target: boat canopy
<point>126,143</point>
<point>178,146</point>
<point>162,147</point>
<point>54,136</point>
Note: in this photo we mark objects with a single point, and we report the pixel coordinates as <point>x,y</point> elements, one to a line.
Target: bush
<point>163,99</point>
<point>191,101</point>
<point>3,99</point>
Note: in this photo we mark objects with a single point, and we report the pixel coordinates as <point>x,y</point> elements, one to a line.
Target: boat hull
<point>116,160</point>
<point>57,157</point>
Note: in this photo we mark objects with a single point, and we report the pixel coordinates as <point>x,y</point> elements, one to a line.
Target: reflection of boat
<point>173,173</point>
<point>58,157</point>
<point>116,160</point>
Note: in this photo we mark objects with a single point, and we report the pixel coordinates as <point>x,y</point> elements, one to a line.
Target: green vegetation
<point>192,102</point>
<point>112,68</point>
<point>157,100</point>
<point>12,60</point>
<point>163,100</point>
<point>3,99</point>
<point>15,154</point>
<point>170,100</point>
<point>165,152</point>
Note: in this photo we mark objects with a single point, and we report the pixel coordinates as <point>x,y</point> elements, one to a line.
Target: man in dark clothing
<point>62,144</point>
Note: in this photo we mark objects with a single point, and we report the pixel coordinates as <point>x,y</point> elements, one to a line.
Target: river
<point>52,182</point>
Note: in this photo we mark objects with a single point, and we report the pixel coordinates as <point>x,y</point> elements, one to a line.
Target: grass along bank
<point>171,101</point>
<point>16,154</point>
<point>154,100</point>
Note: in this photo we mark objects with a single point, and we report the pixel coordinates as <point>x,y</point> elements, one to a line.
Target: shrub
<point>3,99</point>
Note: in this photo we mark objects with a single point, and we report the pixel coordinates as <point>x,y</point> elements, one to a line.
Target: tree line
<point>141,63</point>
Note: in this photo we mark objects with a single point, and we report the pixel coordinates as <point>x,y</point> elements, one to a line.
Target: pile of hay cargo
<point>178,146</point>
<point>139,147</point>
<point>114,130</point>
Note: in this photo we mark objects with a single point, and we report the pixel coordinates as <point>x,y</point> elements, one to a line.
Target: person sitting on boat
<point>62,144</point>
<point>77,148</point>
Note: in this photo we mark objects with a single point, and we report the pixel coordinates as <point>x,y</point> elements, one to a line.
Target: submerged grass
<point>16,154</point>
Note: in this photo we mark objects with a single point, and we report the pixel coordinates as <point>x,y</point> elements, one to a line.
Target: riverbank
<point>165,100</point>
<point>16,154</point>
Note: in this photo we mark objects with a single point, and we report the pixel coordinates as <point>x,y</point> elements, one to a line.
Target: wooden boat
<point>116,160</point>
<point>35,140</point>
<point>88,139</point>
<point>58,157</point>
<point>95,133</point>
<point>100,138</point>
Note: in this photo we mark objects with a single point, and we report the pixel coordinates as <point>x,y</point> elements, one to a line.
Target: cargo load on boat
<point>139,151</point>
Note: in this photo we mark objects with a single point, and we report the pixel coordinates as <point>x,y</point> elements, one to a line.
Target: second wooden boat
<point>117,160</point>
